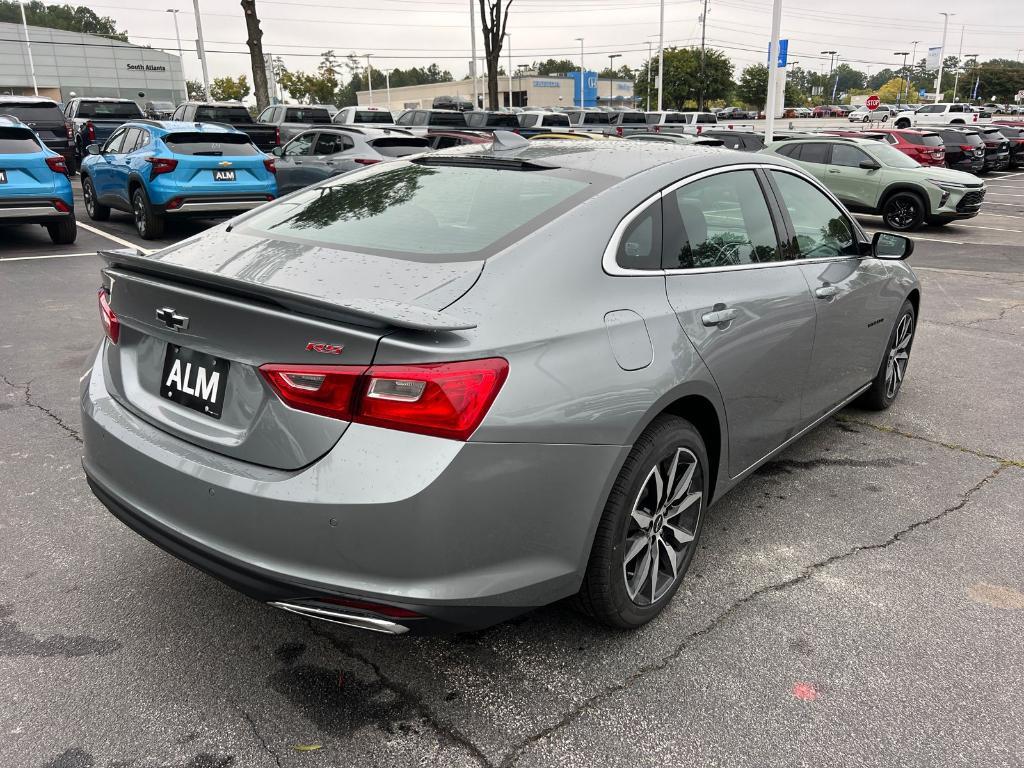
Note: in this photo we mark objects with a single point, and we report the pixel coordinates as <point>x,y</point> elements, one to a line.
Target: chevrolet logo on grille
<point>224,163</point>
<point>172,319</point>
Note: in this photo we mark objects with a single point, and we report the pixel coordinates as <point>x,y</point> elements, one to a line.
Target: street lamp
<point>904,54</point>
<point>509,70</point>
<point>181,65</point>
<point>580,39</point>
<point>831,62</point>
<point>942,55</point>
<point>369,76</point>
<point>649,55</point>
<point>611,78</point>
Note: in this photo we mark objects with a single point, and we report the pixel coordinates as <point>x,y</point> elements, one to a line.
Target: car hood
<point>953,177</point>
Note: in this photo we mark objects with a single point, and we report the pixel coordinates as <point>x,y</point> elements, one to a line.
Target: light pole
<point>28,47</point>
<point>831,62</point>
<point>580,39</point>
<point>703,29</point>
<point>369,76</point>
<point>773,73</point>
<point>387,85</point>
<point>899,93</point>
<point>650,54</point>
<point>959,60</point>
<point>661,56</point>
<point>472,67</point>
<point>509,70</point>
<point>202,51</point>
<point>611,79</point>
<point>177,35</point>
<point>942,55</point>
<point>963,66</point>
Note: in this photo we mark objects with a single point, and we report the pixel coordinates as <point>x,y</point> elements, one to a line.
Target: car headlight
<point>950,186</point>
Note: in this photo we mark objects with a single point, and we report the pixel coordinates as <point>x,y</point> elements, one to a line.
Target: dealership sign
<point>146,67</point>
<point>546,84</point>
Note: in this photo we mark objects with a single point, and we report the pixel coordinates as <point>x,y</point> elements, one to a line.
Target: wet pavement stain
<point>71,758</point>
<point>289,653</point>
<point>789,466</point>
<point>16,642</point>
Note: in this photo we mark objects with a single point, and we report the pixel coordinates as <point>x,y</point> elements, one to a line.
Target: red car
<point>927,147</point>
<point>826,110</point>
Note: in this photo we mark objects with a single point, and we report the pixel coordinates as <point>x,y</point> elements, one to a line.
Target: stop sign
<point>872,102</point>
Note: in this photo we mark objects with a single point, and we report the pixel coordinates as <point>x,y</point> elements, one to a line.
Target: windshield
<point>425,213</point>
<point>215,145</point>
<point>316,115</point>
<point>231,115</point>
<point>892,157</point>
<point>109,109</point>
<point>34,113</point>
<point>17,141</point>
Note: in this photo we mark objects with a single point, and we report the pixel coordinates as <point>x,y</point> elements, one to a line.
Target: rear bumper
<point>212,205</point>
<point>465,534</point>
<point>968,165</point>
<point>32,211</point>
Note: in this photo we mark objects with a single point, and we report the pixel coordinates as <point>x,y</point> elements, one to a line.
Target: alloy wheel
<point>899,356</point>
<point>662,526</point>
<point>90,198</point>
<point>139,211</point>
<point>902,213</point>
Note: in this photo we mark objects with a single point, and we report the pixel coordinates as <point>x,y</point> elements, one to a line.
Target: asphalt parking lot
<point>859,601</point>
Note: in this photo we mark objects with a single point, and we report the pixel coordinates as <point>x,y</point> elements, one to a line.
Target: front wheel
<point>904,123</point>
<point>889,379</point>
<point>903,211</point>
<point>148,223</point>
<point>651,524</point>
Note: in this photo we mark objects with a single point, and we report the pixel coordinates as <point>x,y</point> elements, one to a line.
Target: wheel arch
<point>904,186</point>
<point>914,297</point>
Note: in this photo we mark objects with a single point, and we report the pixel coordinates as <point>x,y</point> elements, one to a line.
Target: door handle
<point>826,292</point>
<point>833,170</point>
<point>719,317</point>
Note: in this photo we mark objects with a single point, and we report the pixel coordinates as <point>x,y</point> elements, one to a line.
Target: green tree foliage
<point>682,77</point>
<point>753,86</point>
<point>844,79</point>
<point>555,67</point>
<point>1000,78</point>
<point>622,73</point>
<point>195,90</point>
<point>229,88</point>
<point>879,79</point>
<point>67,17</point>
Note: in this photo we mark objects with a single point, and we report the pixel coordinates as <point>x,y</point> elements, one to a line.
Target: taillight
<point>174,203</point>
<point>60,205</point>
<point>441,399</point>
<point>90,131</point>
<point>111,325</point>
<point>57,164</point>
<point>618,130</point>
<point>967,147</point>
<point>69,130</point>
<point>160,165</point>
<point>277,136</point>
<point>366,160</point>
<point>268,163</point>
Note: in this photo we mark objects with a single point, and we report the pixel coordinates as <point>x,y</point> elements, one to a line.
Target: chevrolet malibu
<point>435,393</point>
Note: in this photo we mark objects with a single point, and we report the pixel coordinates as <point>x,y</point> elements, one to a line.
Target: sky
<point>404,33</point>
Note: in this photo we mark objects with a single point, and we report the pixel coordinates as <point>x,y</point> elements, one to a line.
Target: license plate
<point>223,175</point>
<point>3,177</point>
<point>195,380</point>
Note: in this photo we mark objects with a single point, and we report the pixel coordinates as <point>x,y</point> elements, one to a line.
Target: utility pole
<point>703,29</point>
<point>899,93</point>
<point>611,80</point>
<point>509,69</point>
<point>959,60</point>
<point>177,35</point>
<point>831,61</point>
<point>28,47</point>
<point>661,56</point>
<point>773,72</point>
<point>472,67</point>
<point>202,51</point>
<point>581,72</point>
<point>942,56</point>
<point>650,54</point>
<point>369,76</point>
<point>913,63</point>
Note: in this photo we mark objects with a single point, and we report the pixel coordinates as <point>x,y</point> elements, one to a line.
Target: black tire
<point>881,395</point>
<point>63,232</point>
<point>148,223</point>
<point>604,594</point>
<point>96,210</point>
<point>904,211</point>
<point>902,123</point>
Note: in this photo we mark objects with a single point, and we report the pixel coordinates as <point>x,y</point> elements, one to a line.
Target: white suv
<point>937,114</point>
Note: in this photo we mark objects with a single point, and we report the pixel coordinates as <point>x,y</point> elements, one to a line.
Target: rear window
<point>632,118</point>
<point>704,118</point>
<point>399,147</point>
<point>959,137</point>
<point>316,115</point>
<point>34,113</point>
<point>215,145</point>
<point>502,120</point>
<point>373,116</point>
<point>108,109</point>
<point>435,213</point>
<point>927,140</point>
<point>596,118</point>
<point>17,141</point>
<point>556,121</point>
<point>232,115</point>
<point>448,119</point>
<point>676,117</point>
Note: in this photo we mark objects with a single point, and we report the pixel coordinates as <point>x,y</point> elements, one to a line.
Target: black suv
<point>965,151</point>
<point>44,116</point>
<point>432,118</point>
<point>997,148</point>
<point>1016,138</point>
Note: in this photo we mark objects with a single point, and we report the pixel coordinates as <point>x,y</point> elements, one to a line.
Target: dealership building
<point>528,90</point>
<point>71,63</point>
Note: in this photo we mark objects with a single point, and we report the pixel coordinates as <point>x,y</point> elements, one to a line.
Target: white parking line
<point>113,238</point>
<point>994,229</point>
<point>1001,215</point>
<point>1004,194</point>
<point>48,256</point>
<point>1015,205</point>
<point>1010,175</point>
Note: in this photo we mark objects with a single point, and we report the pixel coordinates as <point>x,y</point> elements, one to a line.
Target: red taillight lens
<point>441,399</point>
<point>277,136</point>
<point>57,165</point>
<point>161,165</point>
<point>90,131</point>
<point>60,205</point>
<point>174,203</point>
<point>967,147</point>
<point>618,130</point>
<point>69,130</point>
<point>366,160</point>
<point>268,163</point>
<point>111,325</point>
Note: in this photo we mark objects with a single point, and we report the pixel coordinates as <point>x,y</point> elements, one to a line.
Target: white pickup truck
<point>937,114</point>
<point>673,121</point>
<point>363,116</point>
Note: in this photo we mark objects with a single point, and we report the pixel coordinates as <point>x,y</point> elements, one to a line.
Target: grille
<point>971,200</point>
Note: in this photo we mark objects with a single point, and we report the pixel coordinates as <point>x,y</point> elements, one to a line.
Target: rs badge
<point>327,349</point>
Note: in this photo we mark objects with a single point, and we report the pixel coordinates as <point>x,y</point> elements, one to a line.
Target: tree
<point>622,73</point>
<point>1000,79</point>
<point>195,90</point>
<point>753,86</point>
<point>555,67</point>
<point>682,76</point>
<point>255,43</point>
<point>892,91</point>
<point>229,88</point>
<point>844,78</point>
<point>879,79</point>
<point>67,17</point>
<point>494,22</point>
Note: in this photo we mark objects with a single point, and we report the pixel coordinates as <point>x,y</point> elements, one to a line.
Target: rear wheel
<point>889,380</point>
<point>148,223</point>
<point>651,524</point>
<point>903,123</point>
<point>903,211</point>
<point>63,232</point>
<point>96,211</point>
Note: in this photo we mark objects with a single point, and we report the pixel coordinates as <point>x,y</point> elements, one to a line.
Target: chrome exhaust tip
<point>357,620</point>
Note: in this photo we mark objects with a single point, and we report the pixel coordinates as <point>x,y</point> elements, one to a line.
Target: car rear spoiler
<point>377,313</point>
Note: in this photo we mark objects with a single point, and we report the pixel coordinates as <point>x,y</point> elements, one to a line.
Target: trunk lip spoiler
<point>381,313</point>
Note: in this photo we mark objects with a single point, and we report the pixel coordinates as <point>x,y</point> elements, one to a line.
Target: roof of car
<point>26,100</point>
<point>181,126</point>
<point>105,98</point>
<point>830,138</point>
<point>10,121</point>
<point>214,104</point>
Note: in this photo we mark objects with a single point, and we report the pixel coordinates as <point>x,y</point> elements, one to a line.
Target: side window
<point>891,138</point>
<point>177,113</point>
<point>420,118</point>
<point>131,140</point>
<point>956,108</point>
<point>753,143</point>
<point>822,230</point>
<point>847,156</point>
<point>719,221</point>
<point>814,153</point>
<point>528,121</point>
<point>444,142</point>
<point>404,119</point>
<point>790,150</point>
<point>300,145</point>
<point>330,143</point>
<point>116,141</point>
<point>640,245</point>
<point>733,142</point>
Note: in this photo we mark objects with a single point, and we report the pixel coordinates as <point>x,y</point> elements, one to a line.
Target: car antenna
<point>506,140</point>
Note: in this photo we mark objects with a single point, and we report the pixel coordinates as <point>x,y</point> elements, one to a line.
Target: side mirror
<point>277,151</point>
<point>885,245</point>
<point>870,165</point>
<point>92,149</point>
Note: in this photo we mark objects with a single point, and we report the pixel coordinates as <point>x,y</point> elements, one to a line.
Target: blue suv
<point>34,185</point>
<point>158,170</point>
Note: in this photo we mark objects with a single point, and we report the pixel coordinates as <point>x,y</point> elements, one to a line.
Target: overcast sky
<point>402,33</point>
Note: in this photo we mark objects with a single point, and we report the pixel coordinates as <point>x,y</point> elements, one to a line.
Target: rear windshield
<point>596,118</point>
<point>316,115</point>
<point>556,121</point>
<point>448,119</point>
<point>1012,133</point>
<point>214,145</point>
<point>373,116</point>
<point>17,141</point>
<point>705,118</point>
<point>632,118</point>
<point>34,113</point>
<point>108,109</point>
<point>928,140</point>
<point>501,120</point>
<point>427,213</point>
<point>231,115</point>
<point>960,137</point>
<point>399,147</point>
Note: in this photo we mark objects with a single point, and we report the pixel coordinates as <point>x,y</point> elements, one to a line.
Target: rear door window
<point>813,152</point>
<point>17,141</point>
<point>446,119</point>
<point>332,143</point>
<point>131,139</point>
<point>300,145</point>
<point>395,147</point>
<point>212,144</point>
<point>115,142</point>
<point>847,156</point>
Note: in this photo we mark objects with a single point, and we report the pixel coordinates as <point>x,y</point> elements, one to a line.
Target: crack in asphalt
<point>972,327</point>
<point>27,389</point>
<point>1001,316</point>
<point>806,573</point>
<point>256,732</point>
<point>447,732</point>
